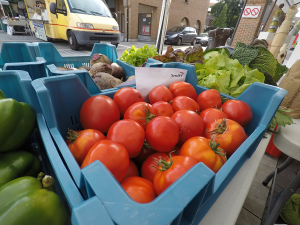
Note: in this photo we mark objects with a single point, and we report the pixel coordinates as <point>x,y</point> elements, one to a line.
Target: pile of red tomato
<point>148,146</point>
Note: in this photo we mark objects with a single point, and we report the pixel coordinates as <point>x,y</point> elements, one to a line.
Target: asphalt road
<point>65,50</point>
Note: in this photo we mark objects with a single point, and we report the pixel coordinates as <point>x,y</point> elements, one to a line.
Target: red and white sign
<point>146,30</point>
<point>251,11</point>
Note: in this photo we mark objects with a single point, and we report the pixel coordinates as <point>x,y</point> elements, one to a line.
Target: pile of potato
<point>104,73</point>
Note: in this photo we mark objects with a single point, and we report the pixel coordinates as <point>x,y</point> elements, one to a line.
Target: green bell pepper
<point>17,164</point>
<point>17,121</point>
<point>23,201</point>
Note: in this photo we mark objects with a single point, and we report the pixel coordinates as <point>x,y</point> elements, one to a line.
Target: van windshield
<point>92,7</point>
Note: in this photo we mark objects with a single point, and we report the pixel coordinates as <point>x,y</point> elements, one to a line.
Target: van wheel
<point>72,41</point>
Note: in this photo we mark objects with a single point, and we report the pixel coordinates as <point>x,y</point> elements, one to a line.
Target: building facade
<point>144,15</point>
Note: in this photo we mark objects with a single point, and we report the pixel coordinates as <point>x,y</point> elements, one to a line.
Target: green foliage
<point>214,51</point>
<point>269,79</point>
<point>220,21</point>
<point>258,58</point>
<point>245,54</point>
<point>226,75</point>
<point>281,119</point>
<point>291,210</point>
<point>137,56</point>
<point>264,62</point>
<point>280,70</point>
<point>233,12</point>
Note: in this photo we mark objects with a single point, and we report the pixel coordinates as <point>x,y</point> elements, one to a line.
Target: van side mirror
<point>115,16</point>
<point>53,8</point>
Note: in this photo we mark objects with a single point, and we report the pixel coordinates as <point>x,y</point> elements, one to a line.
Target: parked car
<point>202,39</point>
<point>181,34</point>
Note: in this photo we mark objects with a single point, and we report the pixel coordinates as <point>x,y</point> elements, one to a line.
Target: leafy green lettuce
<point>137,56</point>
<point>226,75</point>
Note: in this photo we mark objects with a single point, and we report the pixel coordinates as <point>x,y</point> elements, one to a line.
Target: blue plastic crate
<point>185,202</point>
<point>54,59</point>
<point>129,69</point>
<point>52,56</point>
<point>21,56</point>
<point>14,84</point>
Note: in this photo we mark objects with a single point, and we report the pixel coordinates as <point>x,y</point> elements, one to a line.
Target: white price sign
<point>251,11</point>
<point>148,77</point>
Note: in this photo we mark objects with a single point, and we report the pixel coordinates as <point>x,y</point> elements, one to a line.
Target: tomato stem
<point>220,129</point>
<point>163,163</point>
<point>147,145</point>
<point>214,146</point>
<point>72,135</point>
<point>223,99</point>
<point>149,116</point>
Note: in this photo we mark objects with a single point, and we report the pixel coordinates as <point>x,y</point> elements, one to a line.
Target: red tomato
<point>204,151</point>
<point>130,134</point>
<point>172,172</point>
<point>132,170</point>
<point>210,115</point>
<point>160,93</point>
<point>228,133</point>
<point>113,155</point>
<point>99,113</point>
<point>238,111</point>
<point>209,99</point>
<point>141,112</point>
<point>190,125</point>
<point>162,134</point>
<point>82,142</point>
<point>185,103</point>
<point>147,170</point>
<point>145,152</point>
<point>163,108</point>
<point>181,88</point>
<point>139,189</point>
<point>125,97</point>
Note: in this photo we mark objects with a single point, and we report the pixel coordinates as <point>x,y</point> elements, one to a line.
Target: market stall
<point>38,16</point>
<point>143,131</point>
<point>14,20</point>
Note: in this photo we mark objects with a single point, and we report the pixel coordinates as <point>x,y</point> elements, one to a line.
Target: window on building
<point>184,22</point>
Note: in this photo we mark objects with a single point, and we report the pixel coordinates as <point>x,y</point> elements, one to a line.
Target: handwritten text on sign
<point>149,77</point>
<point>251,11</point>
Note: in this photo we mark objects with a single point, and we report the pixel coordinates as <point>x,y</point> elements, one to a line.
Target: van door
<point>62,19</point>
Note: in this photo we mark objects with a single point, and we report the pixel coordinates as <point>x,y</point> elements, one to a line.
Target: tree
<point>220,21</point>
<point>233,12</point>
